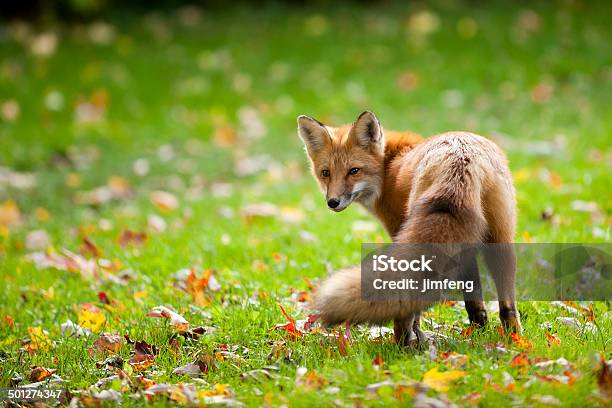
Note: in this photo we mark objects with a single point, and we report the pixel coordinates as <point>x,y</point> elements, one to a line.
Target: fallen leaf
<point>290,327</point>
<point>69,328</point>
<point>89,248</point>
<point>39,339</point>
<point>309,379</point>
<point>91,317</point>
<point>141,362</point>
<point>378,362</point>
<point>110,363</point>
<point>164,201</point>
<point>552,339</point>
<point>520,341</point>
<point>108,395</point>
<point>439,380</point>
<point>191,370</point>
<point>41,373</point>
<point>103,297</point>
<point>8,321</point>
<point>280,351</point>
<point>175,319</point>
<point>567,378</point>
<point>129,237</point>
<point>453,359</point>
<point>520,360</point>
<point>109,342</point>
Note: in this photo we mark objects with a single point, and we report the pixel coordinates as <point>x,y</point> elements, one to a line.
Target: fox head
<point>348,161</point>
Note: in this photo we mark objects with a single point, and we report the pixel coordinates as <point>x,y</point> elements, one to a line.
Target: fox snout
<point>340,202</point>
<point>333,203</point>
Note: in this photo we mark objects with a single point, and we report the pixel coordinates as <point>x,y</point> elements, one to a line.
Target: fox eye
<point>354,171</point>
<point>325,173</point>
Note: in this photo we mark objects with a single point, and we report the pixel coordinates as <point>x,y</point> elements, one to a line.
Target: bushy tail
<point>339,300</point>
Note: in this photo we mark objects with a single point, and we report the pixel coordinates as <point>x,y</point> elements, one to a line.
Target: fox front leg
<point>402,330</point>
<point>416,327</point>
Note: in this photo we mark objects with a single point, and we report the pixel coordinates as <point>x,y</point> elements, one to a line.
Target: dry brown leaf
<point>41,373</point>
<point>109,342</point>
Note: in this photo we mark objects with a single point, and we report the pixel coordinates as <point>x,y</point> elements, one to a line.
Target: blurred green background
<point>104,103</point>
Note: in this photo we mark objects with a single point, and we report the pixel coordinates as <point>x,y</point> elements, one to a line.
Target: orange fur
<point>452,188</point>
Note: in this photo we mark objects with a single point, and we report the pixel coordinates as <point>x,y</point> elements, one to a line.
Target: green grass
<point>168,84</point>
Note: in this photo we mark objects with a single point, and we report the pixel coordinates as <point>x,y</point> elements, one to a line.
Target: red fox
<point>451,188</point>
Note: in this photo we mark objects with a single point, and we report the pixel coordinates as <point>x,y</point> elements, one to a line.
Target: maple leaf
<point>439,380</point>
<point>91,317</point>
<point>521,342</point>
<point>290,327</point>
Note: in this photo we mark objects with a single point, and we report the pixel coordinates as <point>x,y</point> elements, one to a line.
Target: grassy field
<point>149,146</point>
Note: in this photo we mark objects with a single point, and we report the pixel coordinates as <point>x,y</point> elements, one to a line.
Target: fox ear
<point>368,133</point>
<point>313,134</point>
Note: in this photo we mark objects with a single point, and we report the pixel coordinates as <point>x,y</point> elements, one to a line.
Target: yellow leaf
<point>91,318</point>
<point>40,340</point>
<point>218,389</point>
<point>439,380</point>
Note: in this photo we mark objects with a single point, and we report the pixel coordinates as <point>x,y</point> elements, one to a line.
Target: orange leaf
<point>520,341</point>
<point>520,360</point>
<point>552,339</point>
<point>378,361</point>
<point>342,343</point>
<point>141,362</point>
<point>41,373</point>
<point>467,331</point>
<point>8,321</point>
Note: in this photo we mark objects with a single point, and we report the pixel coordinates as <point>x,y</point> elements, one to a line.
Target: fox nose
<point>333,202</point>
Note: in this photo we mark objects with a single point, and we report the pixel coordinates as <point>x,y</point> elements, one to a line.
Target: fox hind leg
<point>501,261</point>
<point>474,304</point>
